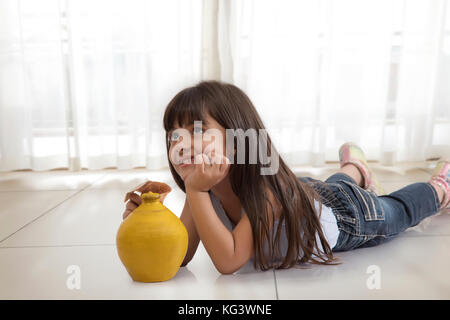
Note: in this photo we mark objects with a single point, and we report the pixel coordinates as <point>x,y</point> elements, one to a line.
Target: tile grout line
<point>47,211</point>
<point>63,246</point>
<point>423,236</point>
<point>276,287</point>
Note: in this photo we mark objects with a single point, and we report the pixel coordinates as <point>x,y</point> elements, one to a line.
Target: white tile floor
<point>52,220</point>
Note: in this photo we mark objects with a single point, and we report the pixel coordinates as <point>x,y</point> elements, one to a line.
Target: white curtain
<point>326,72</point>
<point>84,84</point>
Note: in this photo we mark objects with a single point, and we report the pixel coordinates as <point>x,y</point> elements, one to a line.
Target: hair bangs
<point>186,107</point>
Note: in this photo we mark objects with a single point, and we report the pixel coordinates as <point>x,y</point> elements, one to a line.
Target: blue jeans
<point>366,220</point>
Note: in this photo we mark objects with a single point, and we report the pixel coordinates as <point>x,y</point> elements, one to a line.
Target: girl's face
<point>182,148</point>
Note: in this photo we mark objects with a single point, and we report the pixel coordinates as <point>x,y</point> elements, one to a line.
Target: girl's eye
<point>174,136</point>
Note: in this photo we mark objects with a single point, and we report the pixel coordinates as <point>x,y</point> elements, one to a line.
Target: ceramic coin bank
<point>152,241</point>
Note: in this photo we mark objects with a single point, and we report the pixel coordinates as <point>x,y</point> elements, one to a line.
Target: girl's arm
<point>193,238</point>
<point>229,251</point>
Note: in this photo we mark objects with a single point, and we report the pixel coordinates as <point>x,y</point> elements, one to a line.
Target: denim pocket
<point>368,201</point>
<point>343,206</point>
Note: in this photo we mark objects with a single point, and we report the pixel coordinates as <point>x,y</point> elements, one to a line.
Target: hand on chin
<point>185,172</point>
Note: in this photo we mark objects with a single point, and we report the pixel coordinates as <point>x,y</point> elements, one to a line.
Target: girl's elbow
<point>232,266</point>
<point>226,270</point>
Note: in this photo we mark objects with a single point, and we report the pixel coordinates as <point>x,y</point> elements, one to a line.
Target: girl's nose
<point>185,151</point>
<point>183,147</point>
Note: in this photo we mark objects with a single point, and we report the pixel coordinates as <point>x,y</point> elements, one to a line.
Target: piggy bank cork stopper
<point>150,196</point>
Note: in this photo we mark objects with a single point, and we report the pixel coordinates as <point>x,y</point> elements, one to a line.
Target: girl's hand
<point>208,172</point>
<point>135,200</point>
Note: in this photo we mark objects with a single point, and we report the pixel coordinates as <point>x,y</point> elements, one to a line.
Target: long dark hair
<point>232,109</point>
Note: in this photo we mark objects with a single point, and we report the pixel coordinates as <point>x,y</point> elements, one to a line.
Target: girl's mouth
<point>187,162</point>
<point>186,165</point>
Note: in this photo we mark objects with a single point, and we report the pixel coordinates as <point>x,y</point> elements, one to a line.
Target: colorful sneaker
<point>441,177</point>
<point>349,152</point>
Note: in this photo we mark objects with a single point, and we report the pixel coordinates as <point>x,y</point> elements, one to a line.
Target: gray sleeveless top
<point>327,220</point>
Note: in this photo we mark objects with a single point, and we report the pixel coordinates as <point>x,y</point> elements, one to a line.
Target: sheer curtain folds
<point>326,72</point>
<point>84,84</point>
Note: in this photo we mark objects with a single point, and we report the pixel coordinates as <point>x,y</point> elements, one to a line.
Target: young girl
<point>277,220</point>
